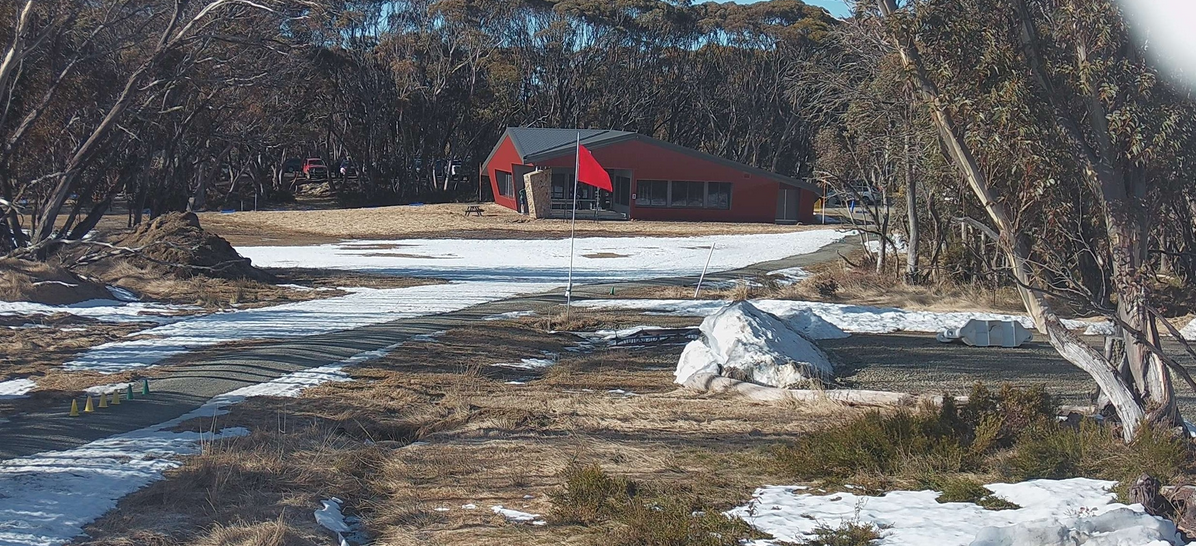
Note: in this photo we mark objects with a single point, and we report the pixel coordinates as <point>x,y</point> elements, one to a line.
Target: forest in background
<point>1032,143</point>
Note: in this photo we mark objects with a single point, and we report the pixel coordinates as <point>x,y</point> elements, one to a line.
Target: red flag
<point>590,172</point>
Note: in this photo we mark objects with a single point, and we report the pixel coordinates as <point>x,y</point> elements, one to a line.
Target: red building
<point>653,179</point>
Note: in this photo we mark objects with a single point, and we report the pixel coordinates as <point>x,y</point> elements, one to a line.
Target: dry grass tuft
<point>442,221</point>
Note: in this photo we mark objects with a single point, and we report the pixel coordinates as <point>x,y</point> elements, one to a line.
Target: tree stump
<point>1145,491</point>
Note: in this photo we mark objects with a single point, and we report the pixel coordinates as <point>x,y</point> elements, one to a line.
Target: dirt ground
<point>426,440</point>
<point>435,427</point>
<point>438,222</point>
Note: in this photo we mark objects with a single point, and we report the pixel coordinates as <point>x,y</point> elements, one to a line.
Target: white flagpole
<point>573,224</point>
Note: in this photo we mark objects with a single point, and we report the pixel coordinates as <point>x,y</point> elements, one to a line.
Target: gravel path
<point>918,363</point>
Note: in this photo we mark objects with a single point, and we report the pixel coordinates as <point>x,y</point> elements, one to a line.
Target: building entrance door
<point>787,204</point>
<point>621,197</point>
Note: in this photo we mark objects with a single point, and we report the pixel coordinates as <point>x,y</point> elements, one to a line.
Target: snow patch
<point>51,496</point>
<point>814,326</point>
<point>363,307</point>
<point>547,260</point>
<point>331,518</point>
<point>791,275</point>
<point>1189,331</point>
<point>122,294</point>
<point>101,310</point>
<point>743,342</point>
<point>518,517</point>
<point>510,315</point>
<point>105,389</point>
<point>16,388</point>
<point>528,364</point>
<point>847,317</point>
<point>1052,513</point>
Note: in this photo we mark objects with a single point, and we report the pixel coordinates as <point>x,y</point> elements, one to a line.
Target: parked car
<point>867,195</point>
<point>315,169</point>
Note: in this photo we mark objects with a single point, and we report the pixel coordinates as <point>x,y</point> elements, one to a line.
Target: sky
<point>837,7</point>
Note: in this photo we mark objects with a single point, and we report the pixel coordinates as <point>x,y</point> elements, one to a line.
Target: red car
<point>315,169</point>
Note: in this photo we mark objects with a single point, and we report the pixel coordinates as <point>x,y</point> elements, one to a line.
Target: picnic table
<point>473,209</point>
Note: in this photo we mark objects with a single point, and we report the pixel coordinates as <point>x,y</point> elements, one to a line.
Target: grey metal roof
<point>540,143</point>
<point>535,144</point>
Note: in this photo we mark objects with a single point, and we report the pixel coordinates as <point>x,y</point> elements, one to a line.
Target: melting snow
<point>528,364</point>
<point>50,496</point>
<point>363,307</point>
<point>766,349</point>
<point>331,518</point>
<point>103,310</point>
<point>510,315</point>
<point>845,317</point>
<point>548,260</point>
<point>1053,512</point>
<point>16,388</point>
<point>1189,331</point>
<point>517,516</point>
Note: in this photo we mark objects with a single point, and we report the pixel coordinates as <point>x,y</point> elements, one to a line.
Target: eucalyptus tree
<point>1073,147</point>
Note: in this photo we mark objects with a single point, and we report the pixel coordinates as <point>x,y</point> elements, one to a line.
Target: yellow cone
<point>74,408</point>
<point>115,398</point>
<point>103,400</point>
<point>87,407</point>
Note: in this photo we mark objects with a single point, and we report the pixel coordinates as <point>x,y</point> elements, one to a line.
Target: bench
<point>473,209</point>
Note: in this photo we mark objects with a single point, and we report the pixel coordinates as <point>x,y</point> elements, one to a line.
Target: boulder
<point>745,343</point>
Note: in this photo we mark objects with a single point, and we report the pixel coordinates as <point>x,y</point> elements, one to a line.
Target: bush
<point>671,522</point>
<point>590,496</point>
<point>848,533</point>
<point>648,518</point>
<point>902,443</point>
<point>955,489</point>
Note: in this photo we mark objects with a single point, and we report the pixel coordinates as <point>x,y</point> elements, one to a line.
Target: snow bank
<point>363,307</point>
<point>50,496</point>
<point>16,388</point>
<point>813,326</point>
<point>1076,511</point>
<point>743,342</point>
<point>547,260</point>
<point>102,310</point>
<point>850,318</point>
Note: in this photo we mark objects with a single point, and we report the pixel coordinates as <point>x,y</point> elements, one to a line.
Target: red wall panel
<point>504,159</point>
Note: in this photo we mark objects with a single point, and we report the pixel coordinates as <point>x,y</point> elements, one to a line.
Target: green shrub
<point>590,496</point>
<point>666,521</point>
<point>848,533</point>
<point>904,442</point>
<point>649,518</point>
<point>955,489</point>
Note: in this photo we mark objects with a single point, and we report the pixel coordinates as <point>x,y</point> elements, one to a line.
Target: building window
<point>688,194</point>
<point>562,185</point>
<point>718,195</point>
<point>652,193</point>
<point>505,187</point>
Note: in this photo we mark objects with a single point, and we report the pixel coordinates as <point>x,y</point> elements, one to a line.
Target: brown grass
<point>437,221</point>
<point>837,282</point>
<point>483,442</point>
<point>48,283</point>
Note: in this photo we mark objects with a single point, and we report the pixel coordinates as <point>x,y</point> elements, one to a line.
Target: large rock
<point>745,343</point>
